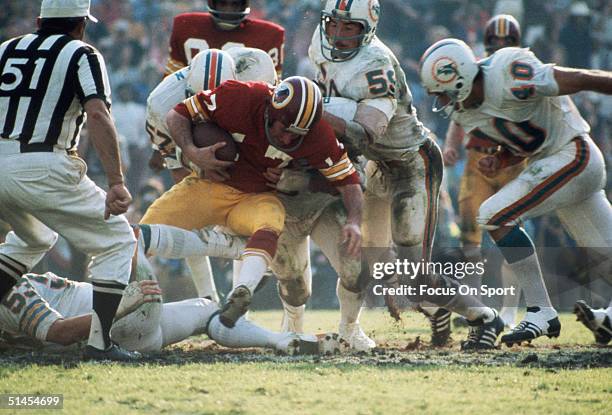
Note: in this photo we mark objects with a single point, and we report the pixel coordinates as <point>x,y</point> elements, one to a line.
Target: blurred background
<point>133,37</point>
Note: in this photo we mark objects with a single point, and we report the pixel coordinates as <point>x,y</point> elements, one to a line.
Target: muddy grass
<point>411,354</point>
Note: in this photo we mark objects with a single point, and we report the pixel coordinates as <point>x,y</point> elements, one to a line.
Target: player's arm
<point>452,143</point>
<point>571,80</point>
<point>352,197</point>
<point>180,120</point>
<point>93,91</point>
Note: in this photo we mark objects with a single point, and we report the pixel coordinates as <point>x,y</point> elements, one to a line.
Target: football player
<point>53,309</point>
<point>520,103</point>
<point>207,70</point>
<point>501,31</point>
<point>598,321</point>
<point>226,25</point>
<point>271,127</point>
<point>404,171</point>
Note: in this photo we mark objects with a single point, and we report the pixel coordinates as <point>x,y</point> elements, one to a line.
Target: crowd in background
<point>133,37</point>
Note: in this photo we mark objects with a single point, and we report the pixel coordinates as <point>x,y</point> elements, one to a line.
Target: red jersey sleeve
<point>329,156</point>
<point>224,104</point>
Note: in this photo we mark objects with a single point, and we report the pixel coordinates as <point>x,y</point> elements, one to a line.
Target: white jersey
<point>520,110</point>
<point>170,92</point>
<point>374,77</point>
<point>37,301</point>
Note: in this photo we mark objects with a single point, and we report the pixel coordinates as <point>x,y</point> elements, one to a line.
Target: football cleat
<point>483,335</point>
<point>298,344</point>
<point>113,354</point>
<point>356,338</point>
<point>236,306</point>
<point>595,320</point>
<point>332,343</point>
<point>440,322</point>
<point>536,323</point>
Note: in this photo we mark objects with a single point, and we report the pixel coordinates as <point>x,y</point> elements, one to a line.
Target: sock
<point>106,298</point>
<point>202,276</point>
<point>350,304</point>
<point>293,318</point>
<point>252,271</point>
<point>510,303</point>
<point>10,272</point>
<point>518,249</point>
<point>172,242</point>
<point>243,334</point>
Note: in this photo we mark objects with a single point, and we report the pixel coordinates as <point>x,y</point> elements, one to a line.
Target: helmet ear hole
<point>459,85</point>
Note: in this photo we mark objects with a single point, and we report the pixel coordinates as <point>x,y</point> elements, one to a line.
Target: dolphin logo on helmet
<point>448,67</point>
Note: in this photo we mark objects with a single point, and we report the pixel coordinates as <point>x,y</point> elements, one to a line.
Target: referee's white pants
<point>47,192</point>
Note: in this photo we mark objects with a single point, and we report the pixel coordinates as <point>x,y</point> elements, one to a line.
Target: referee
<point>50,83</point>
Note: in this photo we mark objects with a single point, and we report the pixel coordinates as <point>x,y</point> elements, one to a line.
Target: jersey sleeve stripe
<point>173,65</point>
<point>37,307</point>
<point>341,174</point>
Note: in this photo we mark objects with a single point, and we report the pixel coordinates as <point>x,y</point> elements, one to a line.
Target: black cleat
<point>236,306</point>
<point>601,330</point>
<point>440,323</point>
<point>534,325</point>
<point>114,354</point>
<point>482,336</point>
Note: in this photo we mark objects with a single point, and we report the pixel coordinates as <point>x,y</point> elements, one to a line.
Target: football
<point>206,134</point>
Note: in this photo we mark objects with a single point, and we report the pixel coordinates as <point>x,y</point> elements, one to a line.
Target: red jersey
<point>194,32</point>
<point>238,107</point>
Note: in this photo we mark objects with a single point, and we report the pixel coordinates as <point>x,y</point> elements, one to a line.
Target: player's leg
<point>188,205</point>
<point>545,185</point>
<point>68,202</point>
<point>415,190</point>
<point>327,234</point>
<point>261,216</point>
<point>291,266</point>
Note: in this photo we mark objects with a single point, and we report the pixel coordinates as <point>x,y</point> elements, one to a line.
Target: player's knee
<point>270,215</point>
<point>351,276</point>
<point>294,292</point>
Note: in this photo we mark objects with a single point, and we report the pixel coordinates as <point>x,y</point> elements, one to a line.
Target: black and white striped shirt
<point>45,81</point>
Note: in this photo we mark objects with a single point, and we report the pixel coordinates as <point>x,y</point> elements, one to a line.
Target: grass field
<point>403,376</point>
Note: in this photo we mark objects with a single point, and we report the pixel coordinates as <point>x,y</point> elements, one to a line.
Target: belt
<point>15,147</point>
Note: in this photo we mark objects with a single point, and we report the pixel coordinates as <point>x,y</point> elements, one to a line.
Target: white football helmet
<point>208,69</point>
<point>448,68</point>
<point>365,12</point>
<point>253,65</point>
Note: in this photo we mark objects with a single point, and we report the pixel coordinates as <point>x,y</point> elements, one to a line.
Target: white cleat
<point>356,338</point>
<point>537,322</point>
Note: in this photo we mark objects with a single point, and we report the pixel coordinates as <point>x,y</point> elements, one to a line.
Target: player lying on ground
<point>55,309</point>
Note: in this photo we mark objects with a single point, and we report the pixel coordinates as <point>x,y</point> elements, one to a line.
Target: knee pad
<point>294,292</point>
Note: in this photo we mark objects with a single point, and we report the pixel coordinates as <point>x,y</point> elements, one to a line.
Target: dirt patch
<point>412,354</point>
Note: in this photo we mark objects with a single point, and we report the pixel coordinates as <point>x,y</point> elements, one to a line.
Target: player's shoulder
<point>373,56</point>
<point>504,58</point>
<point>264,25</point>
<point>252,87</point>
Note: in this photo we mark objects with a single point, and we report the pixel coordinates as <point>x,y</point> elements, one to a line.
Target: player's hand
<point>351,239</point>
<point>489,166</point>
<point>151,291</point>
<point>118,199</point>
<point>156,162</point>
<point>205,158</point>
<point>273,175</point>
<point>450,156</point>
